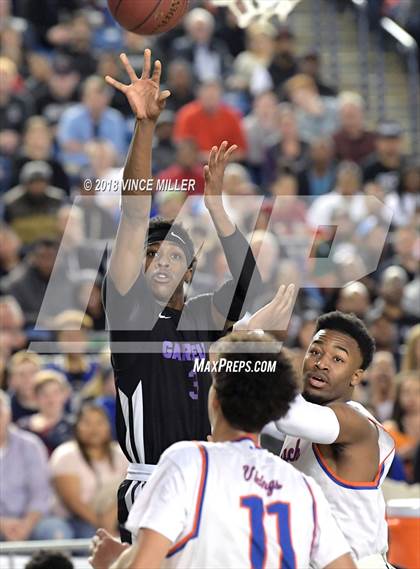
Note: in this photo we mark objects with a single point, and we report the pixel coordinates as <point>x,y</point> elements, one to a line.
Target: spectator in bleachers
<point>316,116</point>
<point>259,53</point>
<point>26,497</point>
<point>310,64</point>
<point>352,140</point>
<point>283,64</point>
<point>23,367</point>
<point>319,176</point>
<point>209,56</point>
<point>405,201</point>
<point>76,252</point>
<point>98,222</point>
<point>15,107</point>
<point>103,165</point>
<point>31,207</point>
<point>405,424</point>
<point>48,560</point>
<point>288,212</point>
<point>59,91</point>
<point>289,151</point>
<point>51,423</point>
<point>342,197</point>
<point>209,121</point>
<point>10,248</point>
<point>74,38</point>
<point>86,473</point>
<point>92,119</point>
<point>381,383</point>
<point>404,252</point>
<point>13,337</point>
<point>354,298</point>
<point>72,333</point>
<point>88,296</point>
<point>109,63</point>
<point>386,164</point>
<point>180,83</point>
<point>37,144</point>
<point>102,392</point>
<point>385,333</point>
<point>389,303</point>
<point>186,167</point>
<point>28,282</point>
<point>411,357</point>
<point>164,148</point>
<point>261,130</point>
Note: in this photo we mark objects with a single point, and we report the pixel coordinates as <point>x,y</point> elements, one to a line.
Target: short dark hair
<point>249,400</point>
<point>160,223</point>
<point>351,325</point>
<point>49,560</point>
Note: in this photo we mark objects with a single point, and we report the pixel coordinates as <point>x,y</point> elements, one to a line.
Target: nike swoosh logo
<point>165,317</point>
<point>178,237</point>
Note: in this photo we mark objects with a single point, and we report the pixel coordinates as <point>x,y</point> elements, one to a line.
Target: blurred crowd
<point>328,199</point>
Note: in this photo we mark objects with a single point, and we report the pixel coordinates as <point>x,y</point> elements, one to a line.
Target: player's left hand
<point>215,170</point>
<point>105,549</point>
<point>276,314</point>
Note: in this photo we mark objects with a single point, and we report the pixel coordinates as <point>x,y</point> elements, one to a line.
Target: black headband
<point>160,234</point>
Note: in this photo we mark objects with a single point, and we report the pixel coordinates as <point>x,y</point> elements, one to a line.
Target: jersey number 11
<point>258,538</point>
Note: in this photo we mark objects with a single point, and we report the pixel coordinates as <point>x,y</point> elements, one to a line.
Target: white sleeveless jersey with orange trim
<point>235,505</point>
<point>359,507</point>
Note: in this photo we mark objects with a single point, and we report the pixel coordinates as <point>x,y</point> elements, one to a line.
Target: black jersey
<point>160,398</point>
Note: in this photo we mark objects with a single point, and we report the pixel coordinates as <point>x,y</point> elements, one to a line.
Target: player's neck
<point>223,432</point>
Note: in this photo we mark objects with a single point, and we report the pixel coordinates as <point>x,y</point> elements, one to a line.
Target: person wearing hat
<point>385,165</point>
<point>31,207</point>
<point>310,64</point>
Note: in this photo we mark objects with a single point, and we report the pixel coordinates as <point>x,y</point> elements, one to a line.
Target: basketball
<point>148,17</point>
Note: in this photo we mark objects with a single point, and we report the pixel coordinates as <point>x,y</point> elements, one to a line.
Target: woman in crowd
<point>405,424</point>
<point>411,359</point>
<point>87,471</point>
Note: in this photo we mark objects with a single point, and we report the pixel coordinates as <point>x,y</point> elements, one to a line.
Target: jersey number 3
<point>258,539</point>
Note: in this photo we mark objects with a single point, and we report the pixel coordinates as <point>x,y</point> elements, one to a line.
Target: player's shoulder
<point>184,453</point>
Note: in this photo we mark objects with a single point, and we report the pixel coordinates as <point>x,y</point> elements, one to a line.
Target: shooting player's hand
<point>143,94</point>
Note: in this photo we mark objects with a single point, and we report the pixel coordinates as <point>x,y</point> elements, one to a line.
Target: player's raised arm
<point>229,299</point>
<point>146,101</point>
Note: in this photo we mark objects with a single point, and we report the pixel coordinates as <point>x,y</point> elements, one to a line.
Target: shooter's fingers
<point>128,67</point>
<point>164,95</point>
<point>120,86</point>
<point>206,171</point>
<point>146,64</point>
<point>157,70</point>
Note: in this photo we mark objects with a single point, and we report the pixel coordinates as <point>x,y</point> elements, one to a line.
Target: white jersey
<point>359,507</point>
<point>235,505</point>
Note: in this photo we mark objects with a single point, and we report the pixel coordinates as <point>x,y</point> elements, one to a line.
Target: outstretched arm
<point>146,101</point>
<point>229,299</point>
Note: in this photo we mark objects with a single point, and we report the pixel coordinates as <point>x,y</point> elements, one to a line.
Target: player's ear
<point>188,275</point>
<point>357,377</point>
